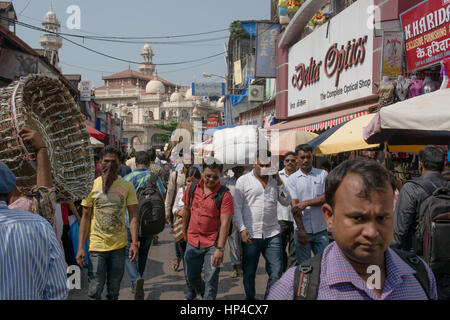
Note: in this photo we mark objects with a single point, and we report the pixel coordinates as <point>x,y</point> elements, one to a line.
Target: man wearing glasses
<point>285,218</point>
<point>255,206</point>
<point>205,227</point>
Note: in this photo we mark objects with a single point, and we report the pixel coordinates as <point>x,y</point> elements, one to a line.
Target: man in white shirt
<point>255,215</point>
<point>285,218</point>
<point>307,190</point>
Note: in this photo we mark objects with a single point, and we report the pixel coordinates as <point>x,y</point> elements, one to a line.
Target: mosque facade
<point>142,99</point>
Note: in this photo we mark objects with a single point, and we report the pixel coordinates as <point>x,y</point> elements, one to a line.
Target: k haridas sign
<point>427,33</point>
<point>332,65</point>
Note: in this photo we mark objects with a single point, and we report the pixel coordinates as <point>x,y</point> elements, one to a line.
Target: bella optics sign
<point>332,66</point>
<point>336,61</point>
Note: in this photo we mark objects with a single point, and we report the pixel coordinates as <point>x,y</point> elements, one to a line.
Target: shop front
<point>330,76</point>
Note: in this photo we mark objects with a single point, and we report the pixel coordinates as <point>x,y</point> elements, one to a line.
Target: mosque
<point>142,99</point>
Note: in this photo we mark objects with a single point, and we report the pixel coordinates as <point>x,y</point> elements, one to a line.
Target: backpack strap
<point>218,197</point>
<point>426,185</point>
<point>307,279</point>
<point>190,200</point>
<point>153,179</point>
<point>418,265</point>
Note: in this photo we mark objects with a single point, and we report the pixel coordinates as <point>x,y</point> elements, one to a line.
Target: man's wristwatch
<point>221,249</point>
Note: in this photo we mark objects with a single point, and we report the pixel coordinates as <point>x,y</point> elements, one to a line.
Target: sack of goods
<point>239,146</point>
<point>236,145</point>
<point>45,105</point>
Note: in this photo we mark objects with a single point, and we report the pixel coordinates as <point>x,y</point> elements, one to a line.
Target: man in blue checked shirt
<point>139,178</point>
<point>32,264</point>
<point>359,209</point>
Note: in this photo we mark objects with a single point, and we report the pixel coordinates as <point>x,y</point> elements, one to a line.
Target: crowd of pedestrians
<point>318,230</point>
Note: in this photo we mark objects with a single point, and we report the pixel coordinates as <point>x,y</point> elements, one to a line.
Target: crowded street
<point>234,151</point>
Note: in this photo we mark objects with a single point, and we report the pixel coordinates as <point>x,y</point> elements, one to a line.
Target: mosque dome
<point>147,49</point>
<point>154,87</point>
<point>50,18</point>
<point>176,96</point>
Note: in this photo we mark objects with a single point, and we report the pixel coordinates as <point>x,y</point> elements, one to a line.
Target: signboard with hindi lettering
<point>266,46</point>
<point>427,33</point>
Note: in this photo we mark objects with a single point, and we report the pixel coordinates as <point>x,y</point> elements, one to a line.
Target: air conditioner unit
<point>255,93</point>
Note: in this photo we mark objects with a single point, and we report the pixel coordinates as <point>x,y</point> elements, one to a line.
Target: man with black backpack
<point>151,214</point>
<point>207,216</point>
<point>358,265</point>
<point>422,217</point>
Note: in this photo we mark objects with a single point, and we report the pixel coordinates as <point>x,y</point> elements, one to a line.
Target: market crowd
<point>318,230</point>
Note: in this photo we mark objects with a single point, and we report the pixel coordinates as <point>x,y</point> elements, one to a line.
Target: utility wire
<point>29,1</point>
<point>61,34</point>
<point>112,57</point>
<point>102,37</point>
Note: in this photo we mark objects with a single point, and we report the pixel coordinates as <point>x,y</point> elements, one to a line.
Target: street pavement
<point>162,283</point>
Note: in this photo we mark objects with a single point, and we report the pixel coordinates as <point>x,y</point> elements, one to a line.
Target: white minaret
<point>147,65</point>
<point>50,41</point>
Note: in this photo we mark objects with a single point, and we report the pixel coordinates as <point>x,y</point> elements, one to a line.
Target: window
<point>129,118</point>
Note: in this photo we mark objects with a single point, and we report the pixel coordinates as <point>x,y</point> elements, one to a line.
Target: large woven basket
<point>44,104</point>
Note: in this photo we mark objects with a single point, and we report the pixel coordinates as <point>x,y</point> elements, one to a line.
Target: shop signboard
<point>208,89</point>
<point>212,122</point>
<point>266,46</point>
<point>391,63</point>
<point>334,64</point>
<point>427,33</point>
<point>85,91</point>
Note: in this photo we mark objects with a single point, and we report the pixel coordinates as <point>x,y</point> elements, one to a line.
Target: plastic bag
<point>73,235</point>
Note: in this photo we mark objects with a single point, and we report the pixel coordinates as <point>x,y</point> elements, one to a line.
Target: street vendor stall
<point>344,137</point>
<point>421,120</point>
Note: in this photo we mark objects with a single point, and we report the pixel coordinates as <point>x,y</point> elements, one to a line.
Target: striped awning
<point>324,125</point>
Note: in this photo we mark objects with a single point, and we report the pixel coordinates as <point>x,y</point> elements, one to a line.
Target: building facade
<point>336,70</point>
<point>142,99</point>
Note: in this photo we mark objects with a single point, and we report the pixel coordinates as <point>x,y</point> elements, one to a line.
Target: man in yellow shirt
<point>109,198</point>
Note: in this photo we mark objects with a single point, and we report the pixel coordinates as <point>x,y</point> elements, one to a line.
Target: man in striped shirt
<point>140,177</point>
<point>32,264</point>
<point>359,265</point>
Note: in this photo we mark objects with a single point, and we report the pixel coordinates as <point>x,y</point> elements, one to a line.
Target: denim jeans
<point>270,248</point>
<point>106,267</point>
<point>179,250</point>
<point>317,243</point>
<point>136,269</point>
<point>195,259</point>
<point>287,244</point>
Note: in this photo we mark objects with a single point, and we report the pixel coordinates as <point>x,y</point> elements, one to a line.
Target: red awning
<point>324,121</point>
<point>95,133</point>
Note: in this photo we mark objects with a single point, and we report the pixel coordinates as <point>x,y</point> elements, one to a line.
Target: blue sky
<point>138,18</point>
